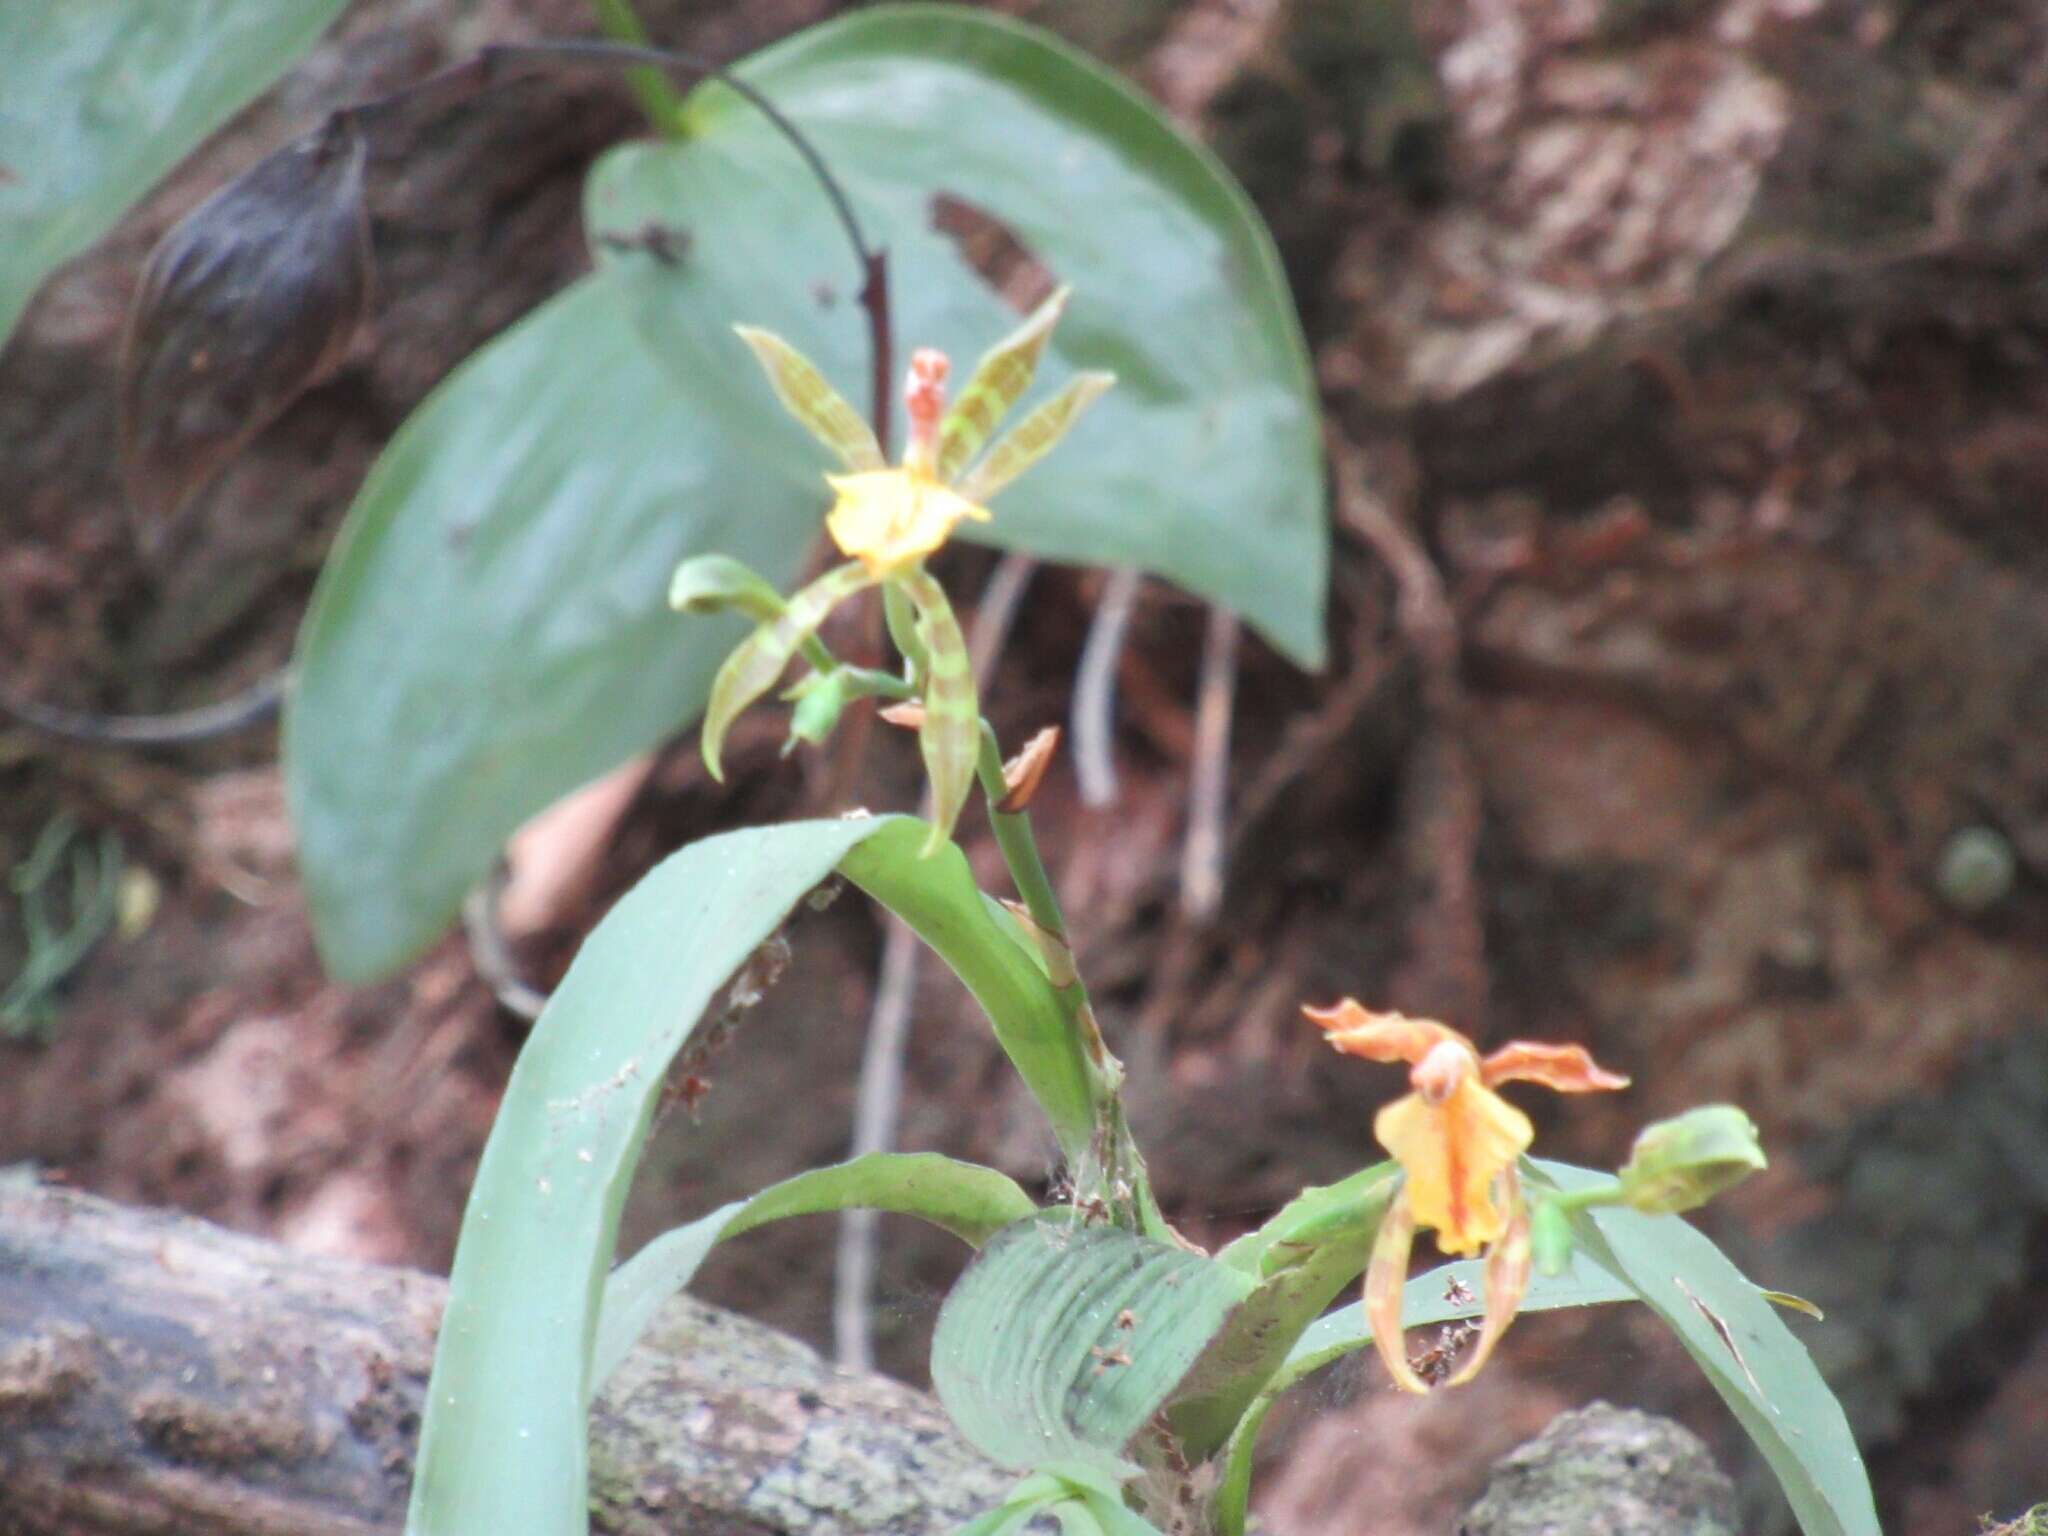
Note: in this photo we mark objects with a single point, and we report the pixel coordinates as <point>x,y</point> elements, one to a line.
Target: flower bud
<point>1550,1235</point>
<point>819,700</point>
<point>1684,1162</point>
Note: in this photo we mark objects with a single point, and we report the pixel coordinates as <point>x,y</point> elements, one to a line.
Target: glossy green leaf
<point>1062,1340</point>
<point>511,1368</point>
<point>971,1202</point>
<point>938,898</point>
<point>1754,1360</point>
<point>492,629</point>
<point>490,632</point>
<point>1203,465</point>
<point>100,98</point>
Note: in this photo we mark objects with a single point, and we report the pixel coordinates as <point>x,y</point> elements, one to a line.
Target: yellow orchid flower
<point>1457,1142</point>
<point>888,519</point>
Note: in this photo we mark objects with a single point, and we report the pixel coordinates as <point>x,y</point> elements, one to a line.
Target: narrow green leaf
<point>503,1440</point>
<point>999,381</point>
<point>819,408</point>
<point>1062,1340</point>
<point>1203,466</point>
<point>1753,1359</point>
<point>937,896</point>
<point>492,629</point>
<point>1035,436</point>
<point>970,1201</point>
<point>100,98</point>
<point>757,661</point>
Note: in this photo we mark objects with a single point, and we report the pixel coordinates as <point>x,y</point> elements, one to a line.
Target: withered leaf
<point>247,302</point>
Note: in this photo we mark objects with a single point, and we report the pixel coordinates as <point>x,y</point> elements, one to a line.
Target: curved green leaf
<point>938,898</point>
<point>511,1367</point>
<point>492,628</point>
<point>99,98</point>
<point>1737,1337</point>
<point>1312,1249</point>
<point>1062,1340</point>
<point>1203,465</point>
<point>971,1202</point>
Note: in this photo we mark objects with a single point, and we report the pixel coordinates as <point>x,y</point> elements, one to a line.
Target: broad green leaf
<point>998,382</point>
<point>503,1442</point>
<point>1062,1340</point>
<point>492,628</point>
<point>1203,465</point>
<point>1754,1360</point>
<point>819,408</point>
<point>100,98</point>
<point>757,661</point>
<point>970,1201</point>
<point>938,898</point>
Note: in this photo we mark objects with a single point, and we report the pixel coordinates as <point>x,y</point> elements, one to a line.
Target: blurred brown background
<point>1690,357</point>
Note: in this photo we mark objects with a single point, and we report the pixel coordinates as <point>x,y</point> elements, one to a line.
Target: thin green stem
<point>1120,1168</point>
<point>661,101</point>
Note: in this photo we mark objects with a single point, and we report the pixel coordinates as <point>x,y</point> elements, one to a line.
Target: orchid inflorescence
<point>887,520</point>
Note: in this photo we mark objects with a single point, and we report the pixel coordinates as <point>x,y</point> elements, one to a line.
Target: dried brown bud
<point>1023,773</point>
<point>246,303</point>
<point>908,715</point>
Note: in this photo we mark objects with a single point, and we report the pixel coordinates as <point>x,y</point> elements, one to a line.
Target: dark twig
<point>1201,855</point>
<point>492,955</point>
<point>253,706</point>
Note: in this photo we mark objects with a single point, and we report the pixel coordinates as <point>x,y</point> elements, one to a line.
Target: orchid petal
<point>1563,1068</point>
<point>1358,1031</point>
<point>1386,1276</point>
<point>1453,1153</point>
<point>1507,1279</point>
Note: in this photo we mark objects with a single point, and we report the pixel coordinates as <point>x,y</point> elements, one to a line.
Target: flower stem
<point>1118,1176</point>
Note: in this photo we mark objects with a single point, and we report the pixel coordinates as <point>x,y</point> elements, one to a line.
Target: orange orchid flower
<point>1457,1142</point>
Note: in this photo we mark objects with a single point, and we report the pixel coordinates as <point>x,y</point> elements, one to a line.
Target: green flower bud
<point>819,700</point>
<point>715,583</point>
<point>1684,1162</point>
<point>1550,1236</point>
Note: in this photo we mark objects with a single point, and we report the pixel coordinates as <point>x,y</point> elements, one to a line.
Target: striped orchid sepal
<point>887,521</point>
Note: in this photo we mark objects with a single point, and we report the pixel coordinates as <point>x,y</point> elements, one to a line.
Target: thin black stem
<point>491,66</point>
